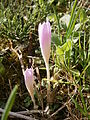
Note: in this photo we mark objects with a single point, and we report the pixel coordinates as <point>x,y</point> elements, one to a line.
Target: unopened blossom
<point>29,82</point>
<point>44,31</point>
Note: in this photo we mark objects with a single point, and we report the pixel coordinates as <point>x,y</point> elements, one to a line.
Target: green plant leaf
<point>64,48</point>
<point>67,46</point>
<point>60,51</point>
<point>83,16</point>
<point>9,103</point>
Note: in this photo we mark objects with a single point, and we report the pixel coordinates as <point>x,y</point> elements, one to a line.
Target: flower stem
<point>48,82</point>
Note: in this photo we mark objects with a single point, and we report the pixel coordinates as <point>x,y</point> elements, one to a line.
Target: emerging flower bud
<point>44,31</point>
<point>29,79</point>
<point>29,82</point>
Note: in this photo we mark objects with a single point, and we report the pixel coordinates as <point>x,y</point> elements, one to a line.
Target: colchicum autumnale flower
<point>29,82</point>
<point>44,31</point>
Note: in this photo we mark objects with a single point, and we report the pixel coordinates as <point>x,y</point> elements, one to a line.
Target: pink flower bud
<point>44,31</point>
<point>29,78</point>
<point>29,82</point>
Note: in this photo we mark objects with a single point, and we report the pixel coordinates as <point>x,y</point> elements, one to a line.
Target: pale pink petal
<point>29,78</point>
<point>44,31</point>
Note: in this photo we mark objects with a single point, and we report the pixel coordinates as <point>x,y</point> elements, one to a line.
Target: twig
<point>67,118</point>
<point>30,112</point>
<point>10,84</point>
<point>17,115</point>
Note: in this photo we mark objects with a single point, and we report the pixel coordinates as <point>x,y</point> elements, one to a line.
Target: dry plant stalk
<point>19,55</point>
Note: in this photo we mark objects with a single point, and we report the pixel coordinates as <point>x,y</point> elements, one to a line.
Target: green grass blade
<point>89,49</point>
<point>9,103</point>
<point>71,18</point>
<point>84,46</point>
<point>85,69</point>
<point>73,25</point>
<point>78,106</point>
<point>73,9</point>
<point>83,101</point>
<point>57,17</point>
